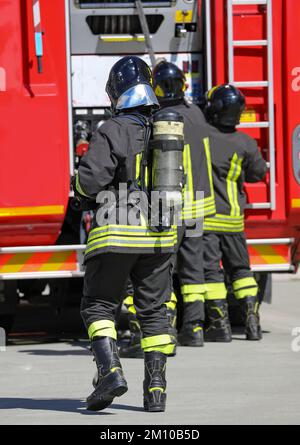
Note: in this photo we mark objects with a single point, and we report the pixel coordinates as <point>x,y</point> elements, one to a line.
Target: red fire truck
<point>54,60</point>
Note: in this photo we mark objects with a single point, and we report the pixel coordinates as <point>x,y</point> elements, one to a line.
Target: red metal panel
<point>34,168</point>
<point>251,64</point>
<point>291,63</point>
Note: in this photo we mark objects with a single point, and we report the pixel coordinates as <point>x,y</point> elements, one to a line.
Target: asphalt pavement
<point>237,383</point>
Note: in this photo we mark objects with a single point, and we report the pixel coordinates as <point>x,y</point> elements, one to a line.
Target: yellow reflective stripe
<point>192,298</point>
<point>243,293</point>
<point>211,91</point>
<point>193,288</point>
<point>138,165</point>
<point>118,244</point>
<point>197,329</point>
<point>210,211</point>
<point>215,291</point>
<point>121,237</point>
<point>134,240</point>
<point>195,204</point>
<point>156,388</point>
<point>173,297</point>
<point>209,166</point>
<point>131,230</point>
<point>227,218</point>
<point>190,172</point>
<point>131,309</point>
<point>189,202</point>
<point>102,328</point>
<point>147,176</point>
<point>232,225</point>
<point>245,287</point>
<point>218,229</point>
<point>244,282</point>
<point>131,240</point>
<point>79,188</point>
<point>235,189</point>
<point>219,310</point>
<point>128,301</point>
<point>224,223</point>
<point>232,191</point>
<point>171,304</point>
<point>188,190</point>
<point>229,183</point>
<point>115,369</point>
<point>32,211</point>
<point>156,340</point>
<point>166,349</point>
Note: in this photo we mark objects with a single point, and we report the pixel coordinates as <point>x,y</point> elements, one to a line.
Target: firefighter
<point>235,158</point>
<point>116,250</point>
<point>170,86</point>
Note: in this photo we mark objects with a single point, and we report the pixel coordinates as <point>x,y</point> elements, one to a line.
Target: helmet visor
<point>137,96</point>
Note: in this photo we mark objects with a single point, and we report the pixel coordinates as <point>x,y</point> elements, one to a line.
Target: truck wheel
<point>8,304</point>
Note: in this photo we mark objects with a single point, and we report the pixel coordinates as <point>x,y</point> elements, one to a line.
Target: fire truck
<point>54,61</point>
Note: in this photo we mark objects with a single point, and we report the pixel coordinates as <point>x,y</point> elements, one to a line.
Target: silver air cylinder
<point>167,159</point>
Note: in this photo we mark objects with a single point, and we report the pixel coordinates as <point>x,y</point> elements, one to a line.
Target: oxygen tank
<point>167,174</point>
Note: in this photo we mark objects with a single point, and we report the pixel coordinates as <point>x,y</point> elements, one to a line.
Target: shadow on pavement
<point>126,407</point>
<point>82,348</point>
<point>63,405</point>
<point>56,353</point>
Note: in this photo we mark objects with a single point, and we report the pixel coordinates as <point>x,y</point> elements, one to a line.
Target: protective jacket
<point>235,159</point>
<point>113,159</point>
<point>198,191</point>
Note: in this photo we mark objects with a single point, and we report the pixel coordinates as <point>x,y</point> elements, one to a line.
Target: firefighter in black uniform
<point>115,250</point>
<point>169,87</point>
<point>235,159</point>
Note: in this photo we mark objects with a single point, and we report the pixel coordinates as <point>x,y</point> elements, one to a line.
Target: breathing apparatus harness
<point>161,168</point>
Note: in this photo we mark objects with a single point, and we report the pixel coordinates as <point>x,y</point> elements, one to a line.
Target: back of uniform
<point>198,202</point>
<point>121,243</point>
<point>199,195</point>
<point>235,159</point>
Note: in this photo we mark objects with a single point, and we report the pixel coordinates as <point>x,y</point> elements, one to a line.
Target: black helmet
<point>224,105</point>
<point>129,84</point>
<point>169,82</point>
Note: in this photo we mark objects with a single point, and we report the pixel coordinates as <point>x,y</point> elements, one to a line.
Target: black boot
<point>155,381</point>
<point>218,329</point>
<point>191,334</point>
<point>250,306</point>
<point>133,348</point>
<point>172,319</point>
<point>111,382</point>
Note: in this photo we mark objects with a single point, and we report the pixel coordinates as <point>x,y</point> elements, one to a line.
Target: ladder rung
<point>249,2</point>
<point>254,125</point>
<point>259,205</point>
<point>250,42</point>
<point>254,84</point>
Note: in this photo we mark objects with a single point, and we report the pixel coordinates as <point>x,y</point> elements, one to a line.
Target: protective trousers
<point>190,272</point>
<point>232,251</point>
<point>104,284</point>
